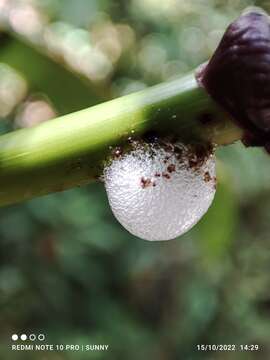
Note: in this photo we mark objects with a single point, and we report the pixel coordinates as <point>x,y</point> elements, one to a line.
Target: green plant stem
<point>69,151</point>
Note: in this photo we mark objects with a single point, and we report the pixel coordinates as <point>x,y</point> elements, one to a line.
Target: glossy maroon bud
<point>238,76</point>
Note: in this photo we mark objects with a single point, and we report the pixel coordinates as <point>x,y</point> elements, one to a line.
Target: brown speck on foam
<point>166,159</point>
<point>165,175</point>
<point>146,182</point>
<point>215,182</point>
<point>197,157</point>
<point>207,176</point>
<point>169,148</point>
<point>171,168</point>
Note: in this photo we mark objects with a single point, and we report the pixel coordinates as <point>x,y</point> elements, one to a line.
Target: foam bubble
<point>158,192</point>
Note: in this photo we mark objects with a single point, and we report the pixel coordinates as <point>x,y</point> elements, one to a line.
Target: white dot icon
<point>14,337</point>
<point>23,337</point>
<point>41,337</point>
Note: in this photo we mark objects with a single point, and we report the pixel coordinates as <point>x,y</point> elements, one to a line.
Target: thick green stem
<point>70,150</point>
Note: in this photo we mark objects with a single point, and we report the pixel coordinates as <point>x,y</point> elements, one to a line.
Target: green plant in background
<point>66,266</point>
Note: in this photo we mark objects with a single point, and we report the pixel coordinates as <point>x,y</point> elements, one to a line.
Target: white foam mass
<point>159,192</point>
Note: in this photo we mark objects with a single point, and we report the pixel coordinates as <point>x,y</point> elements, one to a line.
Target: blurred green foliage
<point>67,268</point>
